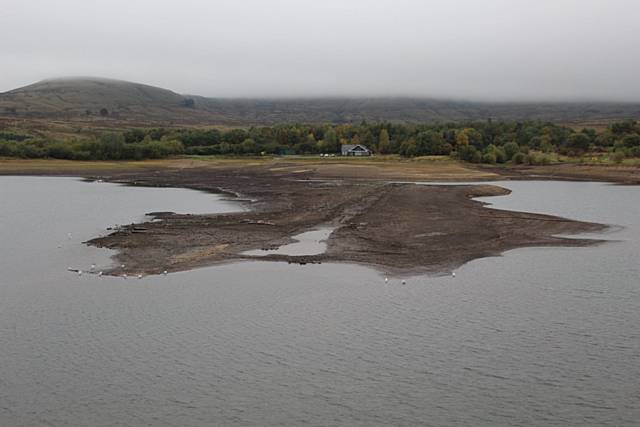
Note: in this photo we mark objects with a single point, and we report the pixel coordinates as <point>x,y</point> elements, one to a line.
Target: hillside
<point>97,99</point>
<point>85,97</point>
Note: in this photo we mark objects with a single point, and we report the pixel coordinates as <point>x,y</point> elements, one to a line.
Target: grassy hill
<point>104,100</point>
<point>86,97</point>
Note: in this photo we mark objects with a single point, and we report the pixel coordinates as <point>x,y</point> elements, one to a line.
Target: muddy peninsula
<point>398,228</point>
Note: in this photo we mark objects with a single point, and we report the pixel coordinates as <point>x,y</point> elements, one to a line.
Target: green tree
<point>546,146</point>
<point>623,127</point>
<point>501,155</point>
<point>520,158</point>
<point>578,143</point>
<point>489,157</point>
<point>311,139</point>
<point>469,153</point>
<point>110,146</point>
<point>249,146</point>
<point>367,139</point>
<point>408,148</point>
<point>631,140</point>
<point>431,143</point>
<point>510,149</point>
<point>473,137</point>
<point>462,139</point>
<point>384,144</point>
<point>332,145</point>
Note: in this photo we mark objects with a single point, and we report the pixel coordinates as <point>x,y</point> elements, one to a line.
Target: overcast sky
<point>471,49</point>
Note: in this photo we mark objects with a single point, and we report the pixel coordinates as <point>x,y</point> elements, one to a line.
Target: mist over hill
<point>90,98</point>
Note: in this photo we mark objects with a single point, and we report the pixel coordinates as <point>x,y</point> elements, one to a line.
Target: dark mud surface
<point>397,228</point>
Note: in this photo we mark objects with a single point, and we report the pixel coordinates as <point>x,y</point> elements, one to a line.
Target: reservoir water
<point>312,242</point>
<point>539,336</point>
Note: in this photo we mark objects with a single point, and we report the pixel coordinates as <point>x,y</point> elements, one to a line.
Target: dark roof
<point>349,147</point>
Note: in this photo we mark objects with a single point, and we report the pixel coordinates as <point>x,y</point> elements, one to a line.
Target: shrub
<point>631,140</point>
<point>578,143</point>
<point>634,152</point>
<point>489,158</point>
<point>13,136</point>
<point>501,155</point>
<point>510,149</point>
<point>537,158</point>
<point>107,147</point>
<point>618,156</point>
<point>520,158</point>
<point>546,147</point>
<point>469,153</point>
<point>408,148</point>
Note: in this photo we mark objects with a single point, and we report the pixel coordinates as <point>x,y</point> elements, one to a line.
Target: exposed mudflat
<point>573,172</point>
<point>397,228</point>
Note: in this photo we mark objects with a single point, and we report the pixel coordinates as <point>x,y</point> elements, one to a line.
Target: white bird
<point>79,272</point>
<point>386,280</point>
<point>100,273</point>
<point>164,272</point>
<point>404,282</point>
<point>124,276</point>
<point>93,267</point>
<point>121,265</point>
<point>139,276</point>
<point>453,274</point>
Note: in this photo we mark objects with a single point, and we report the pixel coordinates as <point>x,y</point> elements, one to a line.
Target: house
<point>355,150</point>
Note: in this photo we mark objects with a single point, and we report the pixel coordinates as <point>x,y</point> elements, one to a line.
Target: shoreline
<point>396,228</point>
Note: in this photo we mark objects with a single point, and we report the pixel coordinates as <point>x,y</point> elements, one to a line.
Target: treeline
<point>490,142</point>
<point>108,146</point>
<point>531,142</point>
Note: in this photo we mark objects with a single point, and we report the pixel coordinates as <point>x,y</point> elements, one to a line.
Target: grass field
<point>388,168</point>
<point>380,167</point>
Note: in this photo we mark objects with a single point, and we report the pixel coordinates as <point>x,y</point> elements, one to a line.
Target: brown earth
<point>399,228</point>
<point>574,172</point>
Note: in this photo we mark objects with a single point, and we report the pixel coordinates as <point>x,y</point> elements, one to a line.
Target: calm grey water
<point>543,336</point>
<point>312,242</point>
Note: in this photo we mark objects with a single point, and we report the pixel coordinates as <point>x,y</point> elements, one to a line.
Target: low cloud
<point>463,49</point>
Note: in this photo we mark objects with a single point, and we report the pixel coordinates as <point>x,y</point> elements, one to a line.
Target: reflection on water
<point>539,336</point>
<point>312,242</point>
